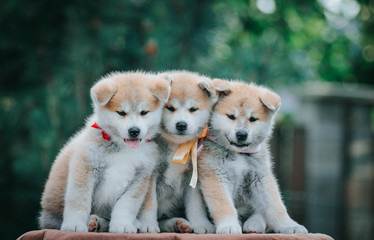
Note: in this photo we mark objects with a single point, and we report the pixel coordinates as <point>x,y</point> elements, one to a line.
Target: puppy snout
<point>241,136</point>
<point>134,132</point>
<point>181,126</point>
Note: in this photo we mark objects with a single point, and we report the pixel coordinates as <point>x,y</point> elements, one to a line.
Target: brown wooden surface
<point>55,234</point>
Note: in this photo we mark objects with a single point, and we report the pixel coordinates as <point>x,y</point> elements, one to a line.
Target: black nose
<point>134,132</point>
<point>241,136</point>
<point>181,126</point>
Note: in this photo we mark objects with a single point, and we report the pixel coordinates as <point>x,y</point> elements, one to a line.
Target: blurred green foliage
<point>53,51</point>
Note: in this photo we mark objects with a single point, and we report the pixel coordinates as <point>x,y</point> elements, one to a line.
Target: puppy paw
<point>254,224</point>
<point>93,224</point>
<point>74,227</point>
<point>149,228</point>
<point>97,224</point>
<point>290,227</point>
<point>230,227</point>
<point>122,228</point>
<point>206,227</point>
<point>182,226</point>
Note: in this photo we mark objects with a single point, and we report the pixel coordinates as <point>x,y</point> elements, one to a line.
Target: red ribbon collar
<point>105,135</point>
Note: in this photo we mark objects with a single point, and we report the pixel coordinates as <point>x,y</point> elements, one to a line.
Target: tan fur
<point>156,86</point>
<point>270,99</point>
<point>147,204</point>
<point>79,171</point>
<point>185,86</point>
<point>53,195</point>
<point>212,188</point>
<point>159,90</point>
<point>104,91</point>
<point>222,86</point>
<point>247,96</point>
<point>142,188</point>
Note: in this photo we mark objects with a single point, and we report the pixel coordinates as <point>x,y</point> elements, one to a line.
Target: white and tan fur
<point>191,99</point>
<point>235,169</point>
<point>108,178</point>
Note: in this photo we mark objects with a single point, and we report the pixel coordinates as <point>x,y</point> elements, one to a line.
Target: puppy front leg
<point>255,224</point>
<point>148,212</point>
<point>78,196</point>
<point>220,203</point>
<point>267,199</point>
<point>196,211</point>
<point>127,207</point>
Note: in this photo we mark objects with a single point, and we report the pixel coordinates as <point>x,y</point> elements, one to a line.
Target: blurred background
<point>317,54</point>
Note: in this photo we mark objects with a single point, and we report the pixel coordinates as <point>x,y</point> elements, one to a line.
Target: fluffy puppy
<point>106,167</point>
<point>235,169</point>
<point>185,116</point>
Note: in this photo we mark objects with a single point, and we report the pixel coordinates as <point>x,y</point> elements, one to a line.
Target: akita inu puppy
<point>185,116</point>
<point>106,167</point>
<point>235,169</point>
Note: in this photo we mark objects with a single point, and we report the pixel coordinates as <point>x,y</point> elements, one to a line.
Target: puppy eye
<point>232,117</point>
<point>193,109</point>
<point>252,119</point>
<point>170,108</point>
<point>143,113</point>
<point>122,113</point>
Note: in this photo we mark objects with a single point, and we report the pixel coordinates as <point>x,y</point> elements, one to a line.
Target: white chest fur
<point>235,170</point>
<point>120,170</point>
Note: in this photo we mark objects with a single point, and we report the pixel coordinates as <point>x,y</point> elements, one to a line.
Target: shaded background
<point>318,54</point>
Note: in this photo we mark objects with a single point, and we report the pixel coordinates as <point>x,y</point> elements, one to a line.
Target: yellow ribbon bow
<point>187,148</point>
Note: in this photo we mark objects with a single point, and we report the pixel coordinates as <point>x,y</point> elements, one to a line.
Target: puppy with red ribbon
<point>107,167</point>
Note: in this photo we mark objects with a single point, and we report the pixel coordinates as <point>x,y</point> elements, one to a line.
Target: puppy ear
<point>223,87</point>
<point>270,99</point>
<point>103,91</point>
<point>207,86</point>
<point>161,87</point>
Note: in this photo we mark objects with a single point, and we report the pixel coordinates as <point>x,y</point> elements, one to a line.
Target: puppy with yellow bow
<point>183,125</point>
